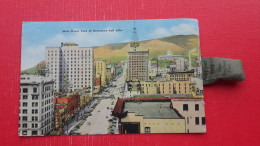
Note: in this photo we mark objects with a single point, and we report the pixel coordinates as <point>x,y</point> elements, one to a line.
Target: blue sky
<point>38,35</point>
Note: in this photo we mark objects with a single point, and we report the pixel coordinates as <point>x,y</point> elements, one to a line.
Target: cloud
<point>160,32</point>
<point>181,29</point>
<point>184,29</point>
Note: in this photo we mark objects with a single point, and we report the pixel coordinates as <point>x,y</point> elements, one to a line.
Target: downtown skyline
<point>38,35</point>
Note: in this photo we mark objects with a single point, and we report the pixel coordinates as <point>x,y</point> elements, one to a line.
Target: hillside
<point>185,41</point>
<point>37,69</point>
<point>178,45</point>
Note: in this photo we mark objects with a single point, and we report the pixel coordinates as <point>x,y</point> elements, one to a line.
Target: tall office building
<point>138,65</point>
<point>71,66</point>
<point>137,60</point>
<point>36,105</point>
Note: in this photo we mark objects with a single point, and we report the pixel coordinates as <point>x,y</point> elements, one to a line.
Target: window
<point>25,90</point>
<point>196,107</point>
<point>147,130</point>
<point>34,90</point>
<point>185,107</point>
<point>24,133</point>
<point>24,118</point>
<point>197,120</point>
<point>203,120</point>
<point>24,104</point>
<point>34,97</point>
<point>25,111</point>
<point>24,125</point>
<point>34,132</point>
<point>25,97</point>
<point>34,104</point>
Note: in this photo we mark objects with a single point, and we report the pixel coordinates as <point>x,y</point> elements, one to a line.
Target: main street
<point>72,122</point>
<point>98,122</point>
<point>101,121</point>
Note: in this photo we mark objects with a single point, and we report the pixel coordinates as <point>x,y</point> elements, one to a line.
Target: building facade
<point>149,87</point>
<point>108,73</point>
<point>148,116</point>
<point>180,75</point>
<point>193,110</point>
<point>100,70</point>
<point>132,89</point>
<point>36,117</point>
<point>138,65</point>
<point>168,87</point>
<point>159,71</point>
<point>169,56</point>
<point>71,66</point>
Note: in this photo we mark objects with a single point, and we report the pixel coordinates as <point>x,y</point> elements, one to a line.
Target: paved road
<point>98,122</point>
<point>120,82</point>
<point>72,123</point>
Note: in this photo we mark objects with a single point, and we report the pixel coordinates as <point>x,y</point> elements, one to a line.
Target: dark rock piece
<point>215,68</point>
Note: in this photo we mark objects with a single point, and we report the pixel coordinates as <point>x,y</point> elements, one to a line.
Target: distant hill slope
<point>185,41</point>
<point>117,46</point>
<point>156,47</point>
<point>37,69</point>
<point>178,44</point>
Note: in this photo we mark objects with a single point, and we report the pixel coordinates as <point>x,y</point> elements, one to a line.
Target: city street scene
<point>111,77</point>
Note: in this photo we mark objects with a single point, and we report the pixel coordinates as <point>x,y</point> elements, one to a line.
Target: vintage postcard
<point>111,77</point>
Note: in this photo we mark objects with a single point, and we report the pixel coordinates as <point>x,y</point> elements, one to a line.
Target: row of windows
<point>34,104</point>
<point>179,75</point>
<point>70,72</point>
<point>24,111</point>
<point>25,118</point>
<point>72,59</point>
<point>34,133</point>
<point>197,120</point>
<point>46,102</point>
<point>47,88</point>
<point>45,116</point>
<point>78,86</point>
<point>186,107</point>
<point>26,125</point>
<point>69,54</point>
<point>47,95</point>
<point>68,51</point>
<point>34,97</point>
<point>64,69</point>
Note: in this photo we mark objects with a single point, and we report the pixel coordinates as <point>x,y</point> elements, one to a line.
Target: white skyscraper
<point>36,105</point>
<point>71,66</point>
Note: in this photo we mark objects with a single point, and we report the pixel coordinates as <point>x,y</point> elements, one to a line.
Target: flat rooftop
<point>34,79</point>
<point>152,110</point>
